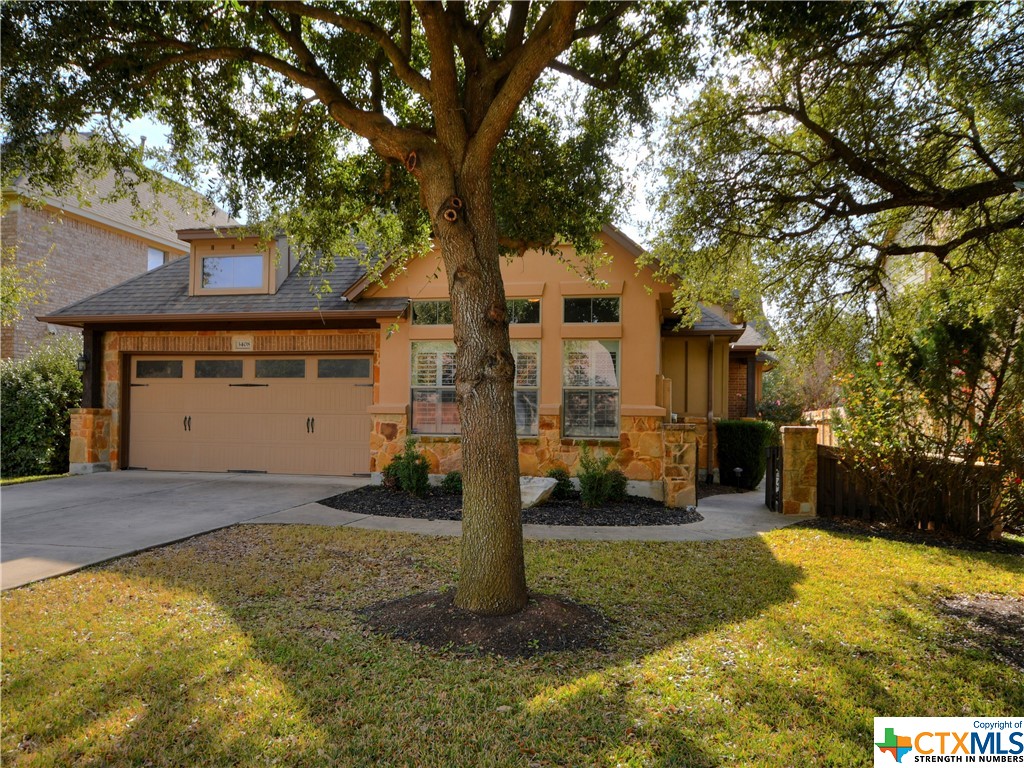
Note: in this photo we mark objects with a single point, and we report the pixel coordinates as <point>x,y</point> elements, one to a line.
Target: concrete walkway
<point>726,516</point>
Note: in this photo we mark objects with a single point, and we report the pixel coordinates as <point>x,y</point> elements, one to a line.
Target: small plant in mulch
<point>599,484</point>
<point>409,471</point>
<point>563,485</point>
<point>452,483</point>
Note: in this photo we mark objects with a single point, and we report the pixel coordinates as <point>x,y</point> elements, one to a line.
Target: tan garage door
<point>294,415</point>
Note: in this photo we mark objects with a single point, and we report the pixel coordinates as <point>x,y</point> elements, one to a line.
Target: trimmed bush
<point>409,471</point>
<point>743,444</point>
<point>564,488</point>
<point>452,483</point>
<point>598,484</point>
<point>35,396</point>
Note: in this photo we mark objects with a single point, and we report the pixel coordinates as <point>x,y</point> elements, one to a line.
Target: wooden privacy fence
<point>964,507</point>
<point>841,493</point>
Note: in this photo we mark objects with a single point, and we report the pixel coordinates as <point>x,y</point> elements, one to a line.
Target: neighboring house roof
<point>709,323</point>
<point>164,215</point>
<point>162,296</point>
<point>752,339</point>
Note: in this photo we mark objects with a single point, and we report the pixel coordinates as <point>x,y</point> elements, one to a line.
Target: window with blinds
<point>434,410</point>
<point>590,388</point>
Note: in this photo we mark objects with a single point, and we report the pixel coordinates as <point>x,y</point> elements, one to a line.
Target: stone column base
<point>89,469</point>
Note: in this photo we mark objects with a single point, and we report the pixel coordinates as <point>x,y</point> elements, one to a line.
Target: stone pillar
<point>680,467</point>
<point>799,470</point>
<point>90,440</point>
<point>387,438</point>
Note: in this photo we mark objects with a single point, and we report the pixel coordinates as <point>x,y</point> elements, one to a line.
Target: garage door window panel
<point>158,369</point>
<point>341,368</point>
<point>280,369</point>
<point>218,369</point>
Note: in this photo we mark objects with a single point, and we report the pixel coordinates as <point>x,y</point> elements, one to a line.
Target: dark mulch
<point>375,500</point>
<point>547,624</point>
<point>930,538</point>
<point>715,489</point>
<point>994,622</point>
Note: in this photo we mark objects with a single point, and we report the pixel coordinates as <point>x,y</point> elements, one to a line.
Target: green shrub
<point>35,397</point>
<point>409,471</point>
<point>452,483</point>
<point>743,444</point>
<point>599,484</point>
<point>563,488</point>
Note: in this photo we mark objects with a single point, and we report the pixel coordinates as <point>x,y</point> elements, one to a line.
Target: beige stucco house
<point>226,361</point>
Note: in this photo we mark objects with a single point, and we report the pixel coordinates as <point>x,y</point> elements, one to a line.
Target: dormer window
<point>223,263</point>
<point>241,271</point>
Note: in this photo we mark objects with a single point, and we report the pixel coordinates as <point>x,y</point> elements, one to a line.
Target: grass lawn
<point>242,647</point>
<point>27,479</point>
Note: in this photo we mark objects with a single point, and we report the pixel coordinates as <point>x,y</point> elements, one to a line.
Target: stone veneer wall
<point>647,451</point>
<point>118,344</point>
<point>90,440</point>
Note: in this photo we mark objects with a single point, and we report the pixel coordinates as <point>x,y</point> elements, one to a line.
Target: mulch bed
<point>547,624</point>
<point>930,538</point>
<point>994,622</point>
<point>375,500</point>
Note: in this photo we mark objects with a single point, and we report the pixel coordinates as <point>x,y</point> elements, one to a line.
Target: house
<point>88,245</point>
<point>226,361</point>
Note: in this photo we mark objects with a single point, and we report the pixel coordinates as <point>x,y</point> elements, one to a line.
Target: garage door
<point>294,415</point>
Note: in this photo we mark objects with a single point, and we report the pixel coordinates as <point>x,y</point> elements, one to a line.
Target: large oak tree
<point>484,125</point>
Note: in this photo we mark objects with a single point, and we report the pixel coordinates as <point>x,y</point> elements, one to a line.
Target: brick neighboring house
<point>747,364</point>
<point>88,246</point>
<point>225,361</point>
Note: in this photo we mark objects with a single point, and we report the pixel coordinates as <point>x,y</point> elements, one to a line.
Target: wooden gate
<point>773,479</point>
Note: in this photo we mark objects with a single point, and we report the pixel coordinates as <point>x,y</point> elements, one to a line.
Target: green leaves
<point>831,147</point>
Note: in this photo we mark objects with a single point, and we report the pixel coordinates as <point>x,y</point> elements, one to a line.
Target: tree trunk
<point>492,577</point>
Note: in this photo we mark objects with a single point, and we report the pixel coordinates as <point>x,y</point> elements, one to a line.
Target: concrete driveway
<point>58,526</point>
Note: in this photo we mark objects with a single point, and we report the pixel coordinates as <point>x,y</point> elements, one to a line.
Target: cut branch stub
<point>496,314</point>
<point>455,202</point>
<point>411,160</point>
<point>450,214</point>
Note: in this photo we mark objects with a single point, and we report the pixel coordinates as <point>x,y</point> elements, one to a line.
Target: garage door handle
<point>189,423</point>
<point>307,424</point>
<point>184,423</point>
<point>312,424</point>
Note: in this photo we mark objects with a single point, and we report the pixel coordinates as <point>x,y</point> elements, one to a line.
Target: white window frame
<point>527,386</point>
<point>592,381</point>
<point>437,377</point>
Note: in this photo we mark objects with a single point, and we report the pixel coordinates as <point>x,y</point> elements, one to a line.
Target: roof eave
<point>78,321</point>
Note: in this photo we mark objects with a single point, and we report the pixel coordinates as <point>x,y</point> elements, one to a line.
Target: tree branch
<point>396,54</point>
<point>448,111</point>
<point>551,35</point>
<point>942,250</point>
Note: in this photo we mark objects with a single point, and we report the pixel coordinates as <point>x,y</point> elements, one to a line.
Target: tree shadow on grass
<point>244,646</point>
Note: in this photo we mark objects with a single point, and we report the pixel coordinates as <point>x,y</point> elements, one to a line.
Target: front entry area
<point>281,414</point>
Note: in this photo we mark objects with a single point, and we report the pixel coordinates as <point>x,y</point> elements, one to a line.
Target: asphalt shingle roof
<point>163,293</point>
